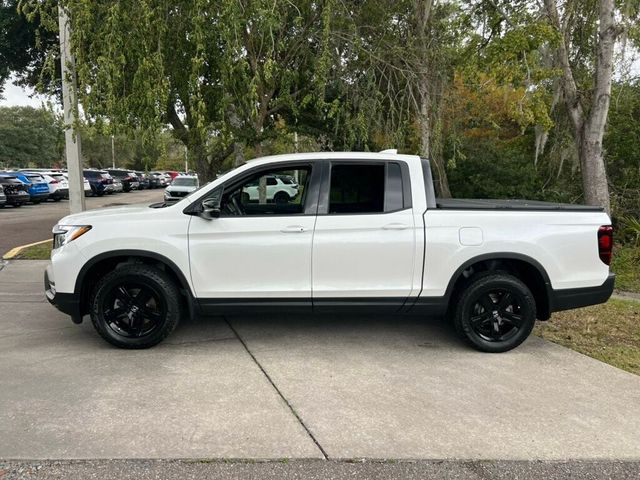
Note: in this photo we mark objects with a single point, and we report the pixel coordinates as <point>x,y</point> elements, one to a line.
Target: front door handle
<point>395,226</point>
<point>293,229</point>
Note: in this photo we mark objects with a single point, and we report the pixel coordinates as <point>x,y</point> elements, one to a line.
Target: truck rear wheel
<point>135,306</point>
<point>495,312</point>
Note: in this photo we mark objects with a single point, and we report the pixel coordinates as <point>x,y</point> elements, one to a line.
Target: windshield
<point>185,182</point>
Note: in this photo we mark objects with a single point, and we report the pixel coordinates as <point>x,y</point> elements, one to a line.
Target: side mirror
<point>210,208</point>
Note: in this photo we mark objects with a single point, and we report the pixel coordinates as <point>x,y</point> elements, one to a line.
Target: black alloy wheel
<point>496,316</point>
<point>135,306</point>
<point>495,312</point>
<point>133,309</point>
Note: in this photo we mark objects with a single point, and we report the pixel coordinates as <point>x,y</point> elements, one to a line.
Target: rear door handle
<point>293,229</point>
<point>395,226</point>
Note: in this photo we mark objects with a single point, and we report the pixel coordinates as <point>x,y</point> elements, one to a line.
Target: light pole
<point>70,104</point>
<point>113,152</point>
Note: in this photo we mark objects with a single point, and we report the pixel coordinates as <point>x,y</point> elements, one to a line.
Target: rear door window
<point>366,188</point>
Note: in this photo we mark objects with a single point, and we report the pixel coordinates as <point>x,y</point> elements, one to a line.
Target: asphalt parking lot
<point>337,388</point>
<point>33,223</point>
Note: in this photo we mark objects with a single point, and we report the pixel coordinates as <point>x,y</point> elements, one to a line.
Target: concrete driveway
<point>291,387</point>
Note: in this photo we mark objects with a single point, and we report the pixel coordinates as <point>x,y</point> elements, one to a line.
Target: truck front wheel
<point>135,306</point>
<point>495,312</point>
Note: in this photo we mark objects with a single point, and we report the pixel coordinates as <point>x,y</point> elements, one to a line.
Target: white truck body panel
<point>335,256</point>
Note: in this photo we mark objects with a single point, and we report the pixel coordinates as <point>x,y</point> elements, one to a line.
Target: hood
<point>180,188</point>
<point>86,218</point>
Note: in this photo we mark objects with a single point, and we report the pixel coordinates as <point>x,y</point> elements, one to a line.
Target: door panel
<point>251,257</point>
<point>356,256</point>
<point>259,250</point>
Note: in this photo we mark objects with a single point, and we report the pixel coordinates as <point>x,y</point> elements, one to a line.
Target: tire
<point>36,202</point>
<point>56,199</point>
<point>124,319</point>
<point>498,326</point>
<point>281,197</point>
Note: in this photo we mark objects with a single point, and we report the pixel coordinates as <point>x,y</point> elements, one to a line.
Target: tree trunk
<point>440,179</point>
<point>422,12</point>
<point>594,176</point>
<point>588,130</point>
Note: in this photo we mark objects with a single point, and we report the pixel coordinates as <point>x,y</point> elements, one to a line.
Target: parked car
<point>276,190</point>
<point>367,235</point>
<point>144,180</point>
<point>127,178</point>
<point>118,187</point>
<point>37,186</point>
<point>154,180</point>
<point>15,190</point>
<point>57,183</point>
<point>3,197</point>
<point>181,186</point>
<point>60,185</point>
<point>163,179</point>
<point>86,184</point>
<point>100,181</point>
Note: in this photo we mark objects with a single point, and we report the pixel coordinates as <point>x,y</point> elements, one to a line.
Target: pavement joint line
<point>284,399</point>
<point>16,250</point>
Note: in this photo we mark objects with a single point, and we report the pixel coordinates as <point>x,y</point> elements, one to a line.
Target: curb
<point>15,251</point>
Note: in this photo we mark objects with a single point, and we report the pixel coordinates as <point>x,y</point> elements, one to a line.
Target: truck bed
<point>526,205</point>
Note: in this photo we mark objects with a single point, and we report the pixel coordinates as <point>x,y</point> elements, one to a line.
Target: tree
<point>29,137</point>
<point>217,72</point>
<point>588,115</point>
<point>24,47</point>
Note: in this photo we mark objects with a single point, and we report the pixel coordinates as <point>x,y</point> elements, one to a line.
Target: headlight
<point>167,195</point>
<point>63,234</point>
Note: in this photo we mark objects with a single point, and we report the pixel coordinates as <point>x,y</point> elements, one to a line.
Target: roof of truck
<point>364,156</point>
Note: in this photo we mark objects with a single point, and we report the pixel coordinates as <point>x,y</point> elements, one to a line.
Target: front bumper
<point>68,303</point>
<point>567,299</point>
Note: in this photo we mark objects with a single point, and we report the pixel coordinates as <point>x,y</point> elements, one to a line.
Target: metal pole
<point>70,104</point>
<point>113,153</point>
<point>186,160</point>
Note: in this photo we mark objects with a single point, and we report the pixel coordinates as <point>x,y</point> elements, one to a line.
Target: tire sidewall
<point>149,276</point>
<point>486,283</point>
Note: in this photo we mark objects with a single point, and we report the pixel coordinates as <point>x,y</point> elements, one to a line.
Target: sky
<point>15,95</point>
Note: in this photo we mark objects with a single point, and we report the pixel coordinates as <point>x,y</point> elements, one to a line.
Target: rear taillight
<point>605,243</point>
<point>53,182</point>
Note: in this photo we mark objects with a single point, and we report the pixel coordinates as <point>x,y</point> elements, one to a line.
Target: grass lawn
<point>626,265</point>
<point>609,332</point>
<point>37,252</point>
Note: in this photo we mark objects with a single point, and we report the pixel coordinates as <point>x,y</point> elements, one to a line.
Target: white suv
<point>279,189</point>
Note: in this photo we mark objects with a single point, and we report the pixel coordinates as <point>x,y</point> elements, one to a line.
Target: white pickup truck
<point>364,234</point>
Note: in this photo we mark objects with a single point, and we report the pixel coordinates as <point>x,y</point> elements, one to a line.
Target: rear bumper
<point>581,297</point>
<point>68,303</point>
<point>21,198</point>
<point>39,197</point>
<point>60,193</point>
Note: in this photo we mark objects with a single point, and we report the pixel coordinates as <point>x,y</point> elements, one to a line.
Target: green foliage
<point>630,230</point>
<point>626,265</point>
<point>622,145</point>
<point>24,46</point>
<point>29,137</point>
